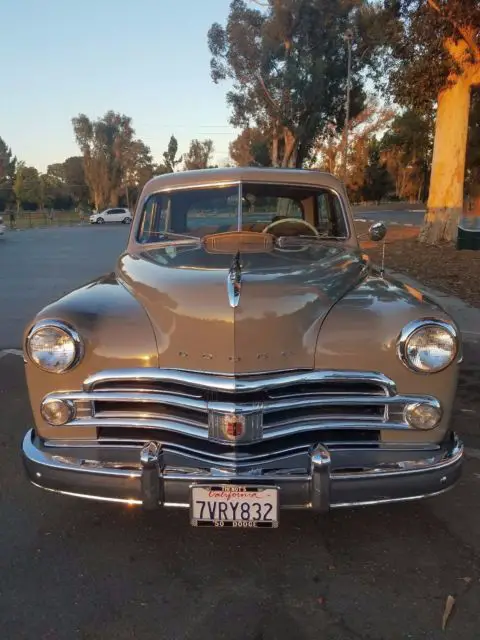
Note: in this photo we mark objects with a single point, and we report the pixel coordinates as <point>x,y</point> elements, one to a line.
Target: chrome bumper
<point>330,479</point>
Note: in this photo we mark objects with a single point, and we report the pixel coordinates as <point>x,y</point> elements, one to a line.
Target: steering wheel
<point>292,222</point>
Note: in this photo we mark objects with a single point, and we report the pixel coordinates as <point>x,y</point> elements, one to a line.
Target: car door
<point>112,215</point>
<point>120,214</point>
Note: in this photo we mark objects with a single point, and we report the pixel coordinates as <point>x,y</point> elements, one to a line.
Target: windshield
<point>279,209</point>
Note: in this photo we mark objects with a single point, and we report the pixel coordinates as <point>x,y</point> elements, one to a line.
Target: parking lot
<point>78,569</point>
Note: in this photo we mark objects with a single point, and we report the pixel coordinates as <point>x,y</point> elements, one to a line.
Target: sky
<point>148,59</point>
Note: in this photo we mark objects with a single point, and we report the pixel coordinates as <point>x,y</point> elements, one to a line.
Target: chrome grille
<point>293,404</point>
<point>304,399</point>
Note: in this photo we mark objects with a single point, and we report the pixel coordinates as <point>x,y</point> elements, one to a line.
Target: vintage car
<point>244,357</point>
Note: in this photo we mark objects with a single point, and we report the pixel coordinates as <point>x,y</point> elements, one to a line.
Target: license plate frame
<point>230,494</point>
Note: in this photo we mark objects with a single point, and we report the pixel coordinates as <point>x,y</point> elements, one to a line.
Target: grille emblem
<point>234,281</point>
<point>235,428</point>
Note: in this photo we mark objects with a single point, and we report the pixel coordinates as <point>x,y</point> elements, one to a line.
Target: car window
<point>201,211</point>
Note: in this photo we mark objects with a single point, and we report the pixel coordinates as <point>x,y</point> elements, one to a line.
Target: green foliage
<point>407,149</point>
<point>251,148</point>
<point>112,157</point>
<point>473,149</point>
<point>288,64</point>
<point>198,155</point>
<point>378,181</point>
<point>7,174</point>
<point>27,186</point>
<point>417,32</point>
<point>170,160</point>
<point>66,184</point>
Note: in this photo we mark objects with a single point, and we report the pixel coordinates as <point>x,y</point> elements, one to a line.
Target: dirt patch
<point>444,268</point>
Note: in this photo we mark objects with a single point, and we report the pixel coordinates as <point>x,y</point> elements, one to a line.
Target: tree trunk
<point>291,148</point>
<point>445,201</point>
<point>275,150</point>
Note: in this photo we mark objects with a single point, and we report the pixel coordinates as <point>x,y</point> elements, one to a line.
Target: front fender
<point>361,333</point>
<point>116,332</point>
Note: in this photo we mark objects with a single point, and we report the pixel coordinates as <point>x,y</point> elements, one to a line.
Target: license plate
<point>234,506</point>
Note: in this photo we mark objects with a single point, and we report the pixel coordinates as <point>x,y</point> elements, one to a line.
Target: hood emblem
<point>234,281</point>
<point>240,427</point>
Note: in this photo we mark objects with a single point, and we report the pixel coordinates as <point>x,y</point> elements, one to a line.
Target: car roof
<point>204,177</point>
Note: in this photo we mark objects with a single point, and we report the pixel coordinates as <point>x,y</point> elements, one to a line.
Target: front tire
<point>100,220</point>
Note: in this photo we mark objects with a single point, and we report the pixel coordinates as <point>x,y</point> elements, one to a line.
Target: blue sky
<point>148,59</point>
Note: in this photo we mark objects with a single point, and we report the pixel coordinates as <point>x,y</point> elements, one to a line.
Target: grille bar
<point>289,403</point>
<point>193,382</point>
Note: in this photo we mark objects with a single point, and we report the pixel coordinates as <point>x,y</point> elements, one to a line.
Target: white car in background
<point>3,227</point>
<point>114,214</point>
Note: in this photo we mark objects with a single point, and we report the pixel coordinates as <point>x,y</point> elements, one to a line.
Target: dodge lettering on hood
<point>243,357</point>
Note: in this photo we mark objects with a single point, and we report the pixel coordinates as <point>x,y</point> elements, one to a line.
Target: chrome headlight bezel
<point>412,328</point>
<point>62,328</point>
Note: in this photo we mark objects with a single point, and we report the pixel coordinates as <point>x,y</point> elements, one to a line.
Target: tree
<point>138,169</point>
<point>7,173</point>
<point>67,179</point>
<point>378,181</point>
<point>473,155</point>
<point>407,151</point>
<point>436,44</point>
<point>170,160</point>
<point>106,146</point>
<point>329,145</point>
<point>26,187</point>
<point>199,154</point>
<point>251,148</point>
<point>287,63</point>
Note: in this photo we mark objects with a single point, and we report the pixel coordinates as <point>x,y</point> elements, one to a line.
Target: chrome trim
<point>373,503</point>
<point>415,325</point>
<point>313,481</point>
<point>234,281</point>
<point>393,416</point>
<point>66,328</point>
<point>89,497</point>
<point>126,444</point>
<point>232,384</point>
<point>239,205</point>
<point>151,452</point>
<point>269,433</point>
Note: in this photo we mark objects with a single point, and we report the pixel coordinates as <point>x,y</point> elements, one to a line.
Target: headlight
<point>428,346</point>
<point>54,346</point>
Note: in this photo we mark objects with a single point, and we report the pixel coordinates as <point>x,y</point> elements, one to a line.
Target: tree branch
<point>268,95</point>
<point>464,33</point>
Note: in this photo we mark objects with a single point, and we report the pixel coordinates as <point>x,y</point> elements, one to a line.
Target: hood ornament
<point>234,281</point>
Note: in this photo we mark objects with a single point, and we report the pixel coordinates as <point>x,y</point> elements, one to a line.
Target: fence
<point>39,219</point>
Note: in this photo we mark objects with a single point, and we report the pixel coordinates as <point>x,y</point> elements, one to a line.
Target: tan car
<point>243,358</point>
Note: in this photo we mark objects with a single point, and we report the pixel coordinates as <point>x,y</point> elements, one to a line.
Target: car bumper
<point>379,476</point>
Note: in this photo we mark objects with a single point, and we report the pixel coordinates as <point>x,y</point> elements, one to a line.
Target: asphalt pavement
<point>37,266</point>
<point>403,217</point>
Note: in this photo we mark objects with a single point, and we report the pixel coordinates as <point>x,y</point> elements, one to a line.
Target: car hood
<point>284,298</point>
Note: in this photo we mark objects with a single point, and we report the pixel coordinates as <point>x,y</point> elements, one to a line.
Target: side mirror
<point>377,231</point>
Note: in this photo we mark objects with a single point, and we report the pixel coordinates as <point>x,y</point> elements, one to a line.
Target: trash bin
<point>469,234</point>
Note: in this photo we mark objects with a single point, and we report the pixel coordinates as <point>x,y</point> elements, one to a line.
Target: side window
<point>330,215</point>
<point>155,218</point>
